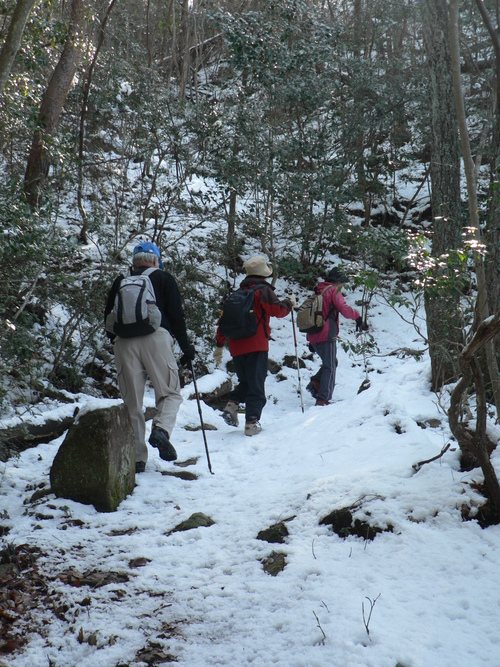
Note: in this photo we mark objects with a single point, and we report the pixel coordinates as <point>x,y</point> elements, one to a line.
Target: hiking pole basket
<point>297,360</point>
<point>191,366</point>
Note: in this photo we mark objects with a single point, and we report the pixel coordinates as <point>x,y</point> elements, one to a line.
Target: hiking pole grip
<point>201,418</point>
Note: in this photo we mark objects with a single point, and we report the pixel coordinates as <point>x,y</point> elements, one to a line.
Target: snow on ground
<point>432,584</point>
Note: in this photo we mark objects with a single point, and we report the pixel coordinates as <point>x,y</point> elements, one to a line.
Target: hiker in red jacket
<point>250,354</point>
<point>324,342</point>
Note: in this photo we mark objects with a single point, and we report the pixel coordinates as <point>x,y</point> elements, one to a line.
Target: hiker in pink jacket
<point>324,343</point>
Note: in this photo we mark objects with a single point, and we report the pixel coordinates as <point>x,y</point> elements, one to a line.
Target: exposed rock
<point>429,423</point>
<point>213,396</point>
<point>207,427</point>
<point>291,361</point>
<point>196,520</point>
<point>275,534</point>
<point>188,462</point>
<point>95,464</point>
<point>18,438</point>
<point>181,474</point>
<point>273,366</point>
<point>342,523</point>
<point>274,563</point>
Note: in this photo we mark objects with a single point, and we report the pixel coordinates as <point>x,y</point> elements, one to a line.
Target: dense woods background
<point>304,129</point>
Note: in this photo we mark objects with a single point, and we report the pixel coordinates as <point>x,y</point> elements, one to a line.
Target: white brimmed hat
<point>257,266</point>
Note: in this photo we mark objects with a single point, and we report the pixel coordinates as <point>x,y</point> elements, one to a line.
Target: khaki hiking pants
<point>137,359</point>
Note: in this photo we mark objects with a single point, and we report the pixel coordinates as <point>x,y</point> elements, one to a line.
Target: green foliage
<point>384,249</point>
<point>305,115</point>
<point>290,267</point>
<point>199,290</point>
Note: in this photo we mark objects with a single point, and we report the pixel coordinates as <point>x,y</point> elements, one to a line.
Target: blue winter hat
<point>147,246</point>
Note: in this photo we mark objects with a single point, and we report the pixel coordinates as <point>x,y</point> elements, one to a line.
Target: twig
<point>416,466</point>
<point>319,626</point>
<point>366,621</point>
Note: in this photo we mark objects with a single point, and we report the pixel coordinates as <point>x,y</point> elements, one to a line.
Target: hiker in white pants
<point>137,359</point>
<point>146,354</point>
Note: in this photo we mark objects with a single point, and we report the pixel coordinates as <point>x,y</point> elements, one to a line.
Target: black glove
<point>188,356</point>
<point>359,324</point>
<point>311,348</point>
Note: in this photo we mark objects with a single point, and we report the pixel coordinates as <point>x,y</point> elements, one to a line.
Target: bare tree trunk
<point>184,50</point>
<point>444,329</point>
<point>482,307</point>
<point>475,446</point>
<point>13,40</point>
<point>86,90</point>
<point>52,104</point>
<point>492,227</point>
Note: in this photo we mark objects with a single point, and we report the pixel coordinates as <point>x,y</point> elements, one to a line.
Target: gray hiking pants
<point>137,359</point>
<point>326,374</point>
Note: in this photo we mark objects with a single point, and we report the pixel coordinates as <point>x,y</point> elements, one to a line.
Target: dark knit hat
<point>335,276</point>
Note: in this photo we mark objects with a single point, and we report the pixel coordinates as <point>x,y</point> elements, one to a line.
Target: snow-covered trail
<point>203,596</point>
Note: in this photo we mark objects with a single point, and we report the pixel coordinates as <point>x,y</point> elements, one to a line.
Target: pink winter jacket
<point>333,304</point>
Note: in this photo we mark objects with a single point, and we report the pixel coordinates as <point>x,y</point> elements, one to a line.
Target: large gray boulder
<point>95,464</point>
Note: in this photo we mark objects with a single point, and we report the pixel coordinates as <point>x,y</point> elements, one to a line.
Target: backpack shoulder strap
<point>262,319</point>
<point>149,271</point>
<point>332,308</point>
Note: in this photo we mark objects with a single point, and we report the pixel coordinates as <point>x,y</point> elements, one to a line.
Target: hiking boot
<point>313,388</point>
<point>230,413</point>
<point>322,401</point>
<point>252,427</point>
<point>140,466</point>
<point>159,439</point>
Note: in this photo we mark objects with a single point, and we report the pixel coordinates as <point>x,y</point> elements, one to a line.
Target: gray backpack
<point>135,312</point>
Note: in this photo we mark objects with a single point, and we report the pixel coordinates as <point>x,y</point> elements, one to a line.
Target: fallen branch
<point>416,466</point>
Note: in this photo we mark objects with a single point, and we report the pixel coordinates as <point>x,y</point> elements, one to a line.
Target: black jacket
<point>168,300</point>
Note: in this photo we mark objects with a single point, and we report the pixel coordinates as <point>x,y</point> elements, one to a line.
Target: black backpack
<point>238,319</point>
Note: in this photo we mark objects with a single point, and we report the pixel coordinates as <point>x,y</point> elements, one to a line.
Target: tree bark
<point>475,445</point>
<point>86,91</point>
<point>53,103</point>
<point>13,40</point>
<point>492,227</point>
<point>443,324</point>
<point>482,306</point>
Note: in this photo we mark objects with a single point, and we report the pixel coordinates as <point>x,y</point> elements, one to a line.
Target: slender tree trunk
<point>184,51</point>
<point>13,40</point>
<point>492,227</point>
<point>86,91</point>
<point>444,329</point>
<point>482,306</point>
<point>475,445</point>
<point>53,103</point>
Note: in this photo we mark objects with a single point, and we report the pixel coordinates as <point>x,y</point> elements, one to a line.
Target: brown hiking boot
<point>322,401</point>
<point>230,413</point>
<point>252,427</point>
<point>313,388</point>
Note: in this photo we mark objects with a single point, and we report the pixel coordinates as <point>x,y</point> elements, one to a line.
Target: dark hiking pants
<point>251,370</point>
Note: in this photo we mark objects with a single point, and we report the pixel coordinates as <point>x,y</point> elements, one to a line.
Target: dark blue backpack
<point>238,319</point>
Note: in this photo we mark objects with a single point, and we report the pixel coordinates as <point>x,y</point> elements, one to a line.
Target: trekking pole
<point>297,359</point>
<point>201,417</point>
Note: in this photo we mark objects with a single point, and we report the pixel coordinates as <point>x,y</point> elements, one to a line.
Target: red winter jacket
<point>266,305</point>
<point>333,304</point>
